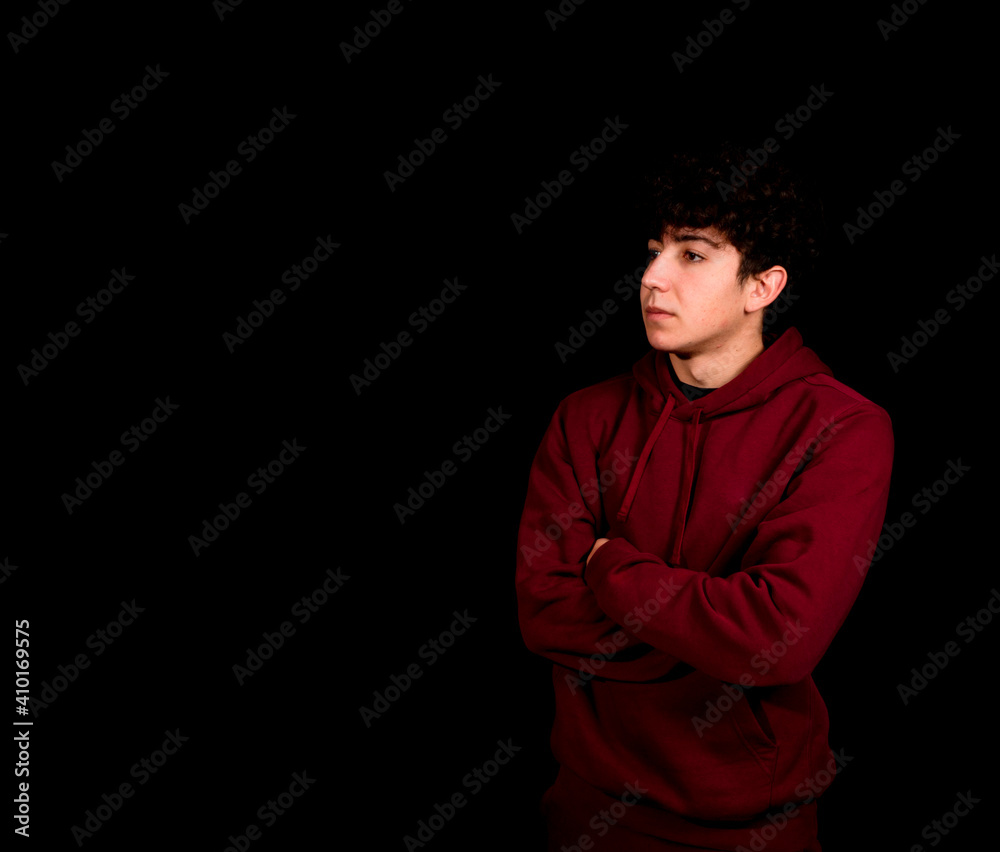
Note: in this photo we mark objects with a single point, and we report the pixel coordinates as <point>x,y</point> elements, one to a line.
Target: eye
<point>695,255</point>
<point>651,256</point>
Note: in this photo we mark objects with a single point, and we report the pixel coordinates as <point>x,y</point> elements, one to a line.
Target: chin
<point>660,340</point>
<point>671,343</point>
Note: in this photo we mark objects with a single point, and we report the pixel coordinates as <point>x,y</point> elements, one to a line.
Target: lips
<point>653,311</point>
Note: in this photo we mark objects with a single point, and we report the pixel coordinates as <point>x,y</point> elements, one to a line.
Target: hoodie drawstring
<point>687,485</point>
<point>633,485</point>
<point>690,466</point>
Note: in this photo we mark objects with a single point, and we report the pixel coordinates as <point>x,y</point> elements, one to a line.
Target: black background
<point>323,176</point>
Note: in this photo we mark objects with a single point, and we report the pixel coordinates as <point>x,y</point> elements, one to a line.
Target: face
<point>691,302</point>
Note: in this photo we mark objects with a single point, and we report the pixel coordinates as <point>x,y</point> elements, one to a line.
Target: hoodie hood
<point>784,360</point>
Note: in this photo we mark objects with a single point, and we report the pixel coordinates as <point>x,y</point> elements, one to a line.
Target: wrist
<point>604,558</point>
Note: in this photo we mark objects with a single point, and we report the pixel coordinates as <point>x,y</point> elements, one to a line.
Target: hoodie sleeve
<point>773,617</point>
<point>558,614</point>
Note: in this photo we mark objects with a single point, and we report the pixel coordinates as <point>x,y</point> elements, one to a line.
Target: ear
<point>765,288</point>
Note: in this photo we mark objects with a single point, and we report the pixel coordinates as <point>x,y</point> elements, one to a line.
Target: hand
<point>593,550</point>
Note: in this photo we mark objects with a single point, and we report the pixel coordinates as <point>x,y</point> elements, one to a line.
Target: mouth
<point>658,314</point>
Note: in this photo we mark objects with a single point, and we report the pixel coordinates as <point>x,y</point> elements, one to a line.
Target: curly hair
<point>769,213</point>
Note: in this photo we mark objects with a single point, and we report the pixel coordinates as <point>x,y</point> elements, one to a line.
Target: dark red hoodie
<point>739,526</point>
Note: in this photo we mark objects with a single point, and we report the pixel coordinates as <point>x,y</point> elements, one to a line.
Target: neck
<point>713,369</point>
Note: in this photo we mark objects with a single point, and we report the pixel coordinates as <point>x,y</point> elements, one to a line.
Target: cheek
<point>719,306</point>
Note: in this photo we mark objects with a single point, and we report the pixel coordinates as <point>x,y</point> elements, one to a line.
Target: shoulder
<point>842,400</point>
<point>862,427</point>
<point>598,397</point>
<point>597,408</point>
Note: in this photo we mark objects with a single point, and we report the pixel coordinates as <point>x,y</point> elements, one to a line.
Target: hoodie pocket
<point>701,753</point>
<point>750,720</point>
<point>758,719</point>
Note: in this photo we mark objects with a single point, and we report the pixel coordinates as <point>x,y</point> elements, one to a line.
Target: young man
<point>693,537</point>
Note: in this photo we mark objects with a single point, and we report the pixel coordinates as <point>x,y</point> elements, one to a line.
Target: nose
<point>655,277</point>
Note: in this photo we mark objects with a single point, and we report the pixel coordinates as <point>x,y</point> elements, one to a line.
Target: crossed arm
<point>801,573</point>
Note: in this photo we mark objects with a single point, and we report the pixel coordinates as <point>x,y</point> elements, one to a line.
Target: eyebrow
<point>689,237</point>
<point>683,238</point>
